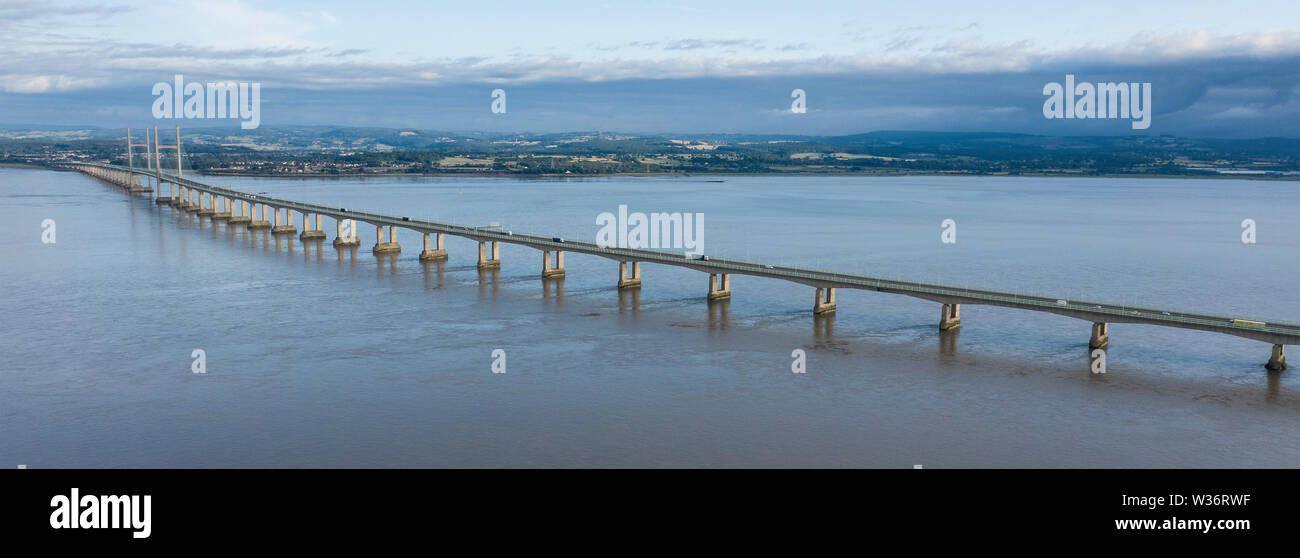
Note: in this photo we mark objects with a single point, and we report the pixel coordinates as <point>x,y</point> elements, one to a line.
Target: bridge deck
<point>1276,332</point>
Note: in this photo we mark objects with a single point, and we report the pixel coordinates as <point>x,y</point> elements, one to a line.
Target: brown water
<point>321,358</point>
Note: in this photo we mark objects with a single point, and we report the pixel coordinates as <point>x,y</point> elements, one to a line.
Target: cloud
<point>696,44</point>
<point>28,11</point>
<point>44,84</point>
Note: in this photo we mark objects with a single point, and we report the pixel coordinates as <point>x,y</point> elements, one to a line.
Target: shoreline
<point>745,174</point>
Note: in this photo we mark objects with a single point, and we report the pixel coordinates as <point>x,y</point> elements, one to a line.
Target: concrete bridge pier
<point>313,234</point>
<point>489,263</point>
<point>430,253</point>
<point>137,184</point>
<point>287,227</point>
<point>1100,336</point>
<point>165,199</point>
<point>205,210</point>
<point>625,282</point>
<point>195,201</point>
<point>256,223</point>
<point>719,286</point>
<point>341,241</point>
<point>382,247</point>
<point>950,317</point>
<point>1277,361</point>
<point>824,304</point>
<point>547,270</point>
<point>220,214</point>
<point>239,213</point>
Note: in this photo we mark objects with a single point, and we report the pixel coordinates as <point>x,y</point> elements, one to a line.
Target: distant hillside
<point>350,150</point>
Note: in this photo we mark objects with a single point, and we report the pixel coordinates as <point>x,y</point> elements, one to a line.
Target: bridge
<point>238,207</point>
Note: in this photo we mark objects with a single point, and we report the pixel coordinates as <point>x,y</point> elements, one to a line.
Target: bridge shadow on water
<point>629,302</point>
<point>553,292</point>
<point>488,286</point>
<point>719,314</point>
<point>435,275</point>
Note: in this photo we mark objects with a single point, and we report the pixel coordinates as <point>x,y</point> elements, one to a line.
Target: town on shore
<point>340,151</point>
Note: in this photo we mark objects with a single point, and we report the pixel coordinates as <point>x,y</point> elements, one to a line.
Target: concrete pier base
<point>485,262</point>
<point>950,317</point>
<point>433,256</point>
<point>163,201</point>
<point>205,211</point>
<point>431,253</point>
<point>719,286</point>
<point>824,303</point>
<point>239,213</point>
<point>309,233</point>
<point>341,241</point>
<point>1277,361</point>
<point>286,227</point>
<point>626,282</point>
<point>547,270</point>
<point>1100,336</point>
<point>220,214</point>
<point>258,224</point>
<point>390,247</point>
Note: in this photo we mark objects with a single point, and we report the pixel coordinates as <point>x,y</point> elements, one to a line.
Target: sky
<point>1217,69</point>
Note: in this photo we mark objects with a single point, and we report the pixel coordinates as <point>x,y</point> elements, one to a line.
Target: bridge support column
<point>218,213</point>
<point>719,286</point>
<point>431,253</point>
<point>287,227</point>
<point>1277,361</point>
<point>950,317</point>
<point>239,212</point>
<point>312,234</point>
<point>489,263</point>
<point>625,282</point>
<point>257,223</point>
<point>824,304</point>
<point>382,247</point>
<point>210,208</point>
<point>547,270</point>
<point>340,240</point>
<point>1100,336</point>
